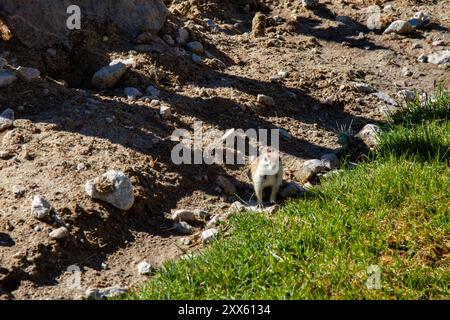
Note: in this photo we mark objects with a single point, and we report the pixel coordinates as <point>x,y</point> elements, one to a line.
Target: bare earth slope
<point>57,128</point>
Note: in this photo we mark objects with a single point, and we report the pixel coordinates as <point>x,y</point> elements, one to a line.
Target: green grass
<point>392,211</point>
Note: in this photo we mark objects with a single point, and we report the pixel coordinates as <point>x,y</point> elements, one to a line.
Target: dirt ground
<point>323,51</point>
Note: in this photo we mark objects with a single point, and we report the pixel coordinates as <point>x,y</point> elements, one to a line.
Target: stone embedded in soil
<point>308,169</point>
<point>28,74</point>
<point>201,214</point>
<point>236,207</point>
<point>18,191</point>
<point>386,98</point>
<point>113,187</point>
<point>292,189</point>
<point>40,207</point>
<point>309,4</point>
<point>6,119</point>
<point>108,76</point>
<point>330,161</point>
<point>226,185</point>
<point>106,293</point>
<point>165,112</point>
<point>423,58</point>
<point>259,25</point>
<point>442,57</point>
<point>369,134</point>
<point>438,43</point>
<point>183,215</point>
<point>399,27</point>
<point>144,268</point>
<point>420,19</point>
<point>195,47</point>
<point>407,95</point>
<point>185,241</point>
<point>209,235</point>
<point>59,234</point>
<point>183,227</point>
<point>81,167</point>
<point>213,222</point>
<point>265,100</point>
<point>132,93</point>
<point>153,92</point>
<point>7,77</point>
<point>183,36</point>
<point>197,59</point>
<point>364,87</point>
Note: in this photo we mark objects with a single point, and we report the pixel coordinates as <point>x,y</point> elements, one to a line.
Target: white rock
<point>28,74</point>
<point>442,57</point>
<point>386,98</point>
<point>127,62</point>
<point>105,293</point>
<point>132,93</point>
<point>265,100</point>
<point>18,190</point>
<point>308,169</point>
<point>108,76</point>
<point>400,27</point>
<point>81,167</point>
<point>153,92</point>
<point>6,119</point>
<point>438,43</point>
<point>213,222</point>
<point>423,58</point>
<point>155,103</point>
<point>40,207</point>
<point>183,36</point>
<point>59,234</point>
<point>113,187</point>
<point>364,87</point>
<point>407,95</point>
<point>144,268</point>
<point>330,161</point>
<point>185,241</point>
<point>7,77</point>
<point>369,134</point>
<point>183,215</point>
<point>165,112</point>
<point>236,207</point>
<point>209,235</point>
<point>201,214</point>
<point>195,47</point>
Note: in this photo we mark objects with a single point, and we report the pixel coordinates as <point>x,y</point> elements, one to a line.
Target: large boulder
<point>42,23</point>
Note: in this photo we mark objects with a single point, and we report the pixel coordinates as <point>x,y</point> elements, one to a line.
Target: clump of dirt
<point>65,134</point>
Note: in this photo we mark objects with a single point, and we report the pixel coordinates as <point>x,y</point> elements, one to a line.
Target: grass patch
<point>392,211</point>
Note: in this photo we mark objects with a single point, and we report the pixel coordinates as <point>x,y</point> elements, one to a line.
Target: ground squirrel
<point>266,171</point>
